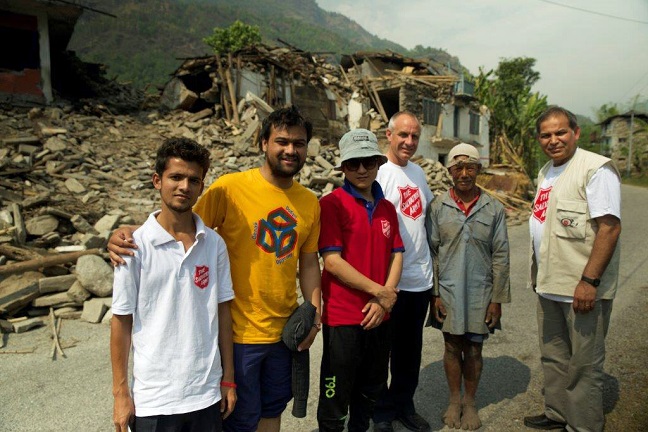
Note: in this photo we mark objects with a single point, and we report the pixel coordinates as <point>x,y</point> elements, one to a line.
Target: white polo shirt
<point>173,296</point>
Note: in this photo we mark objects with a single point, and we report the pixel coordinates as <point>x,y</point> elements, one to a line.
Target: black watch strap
<point>594,282</point>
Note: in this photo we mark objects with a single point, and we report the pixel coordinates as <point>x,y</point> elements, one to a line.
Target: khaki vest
<point>569,231</point>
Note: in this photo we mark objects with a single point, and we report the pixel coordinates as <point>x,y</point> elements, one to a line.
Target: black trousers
<point>353,375</point>
<point>204,420</point>
<point>407,318</point>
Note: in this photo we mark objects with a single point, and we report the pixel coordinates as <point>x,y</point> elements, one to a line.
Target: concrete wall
<point>29,84</point>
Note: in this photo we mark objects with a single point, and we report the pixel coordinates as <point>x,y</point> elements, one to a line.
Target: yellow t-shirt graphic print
<point>277,234</point>
<point>265,229</point>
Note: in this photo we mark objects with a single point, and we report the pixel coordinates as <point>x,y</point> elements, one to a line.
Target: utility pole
<point>629,162</point>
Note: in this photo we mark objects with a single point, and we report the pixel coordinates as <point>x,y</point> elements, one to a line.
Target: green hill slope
<point>145,41</point>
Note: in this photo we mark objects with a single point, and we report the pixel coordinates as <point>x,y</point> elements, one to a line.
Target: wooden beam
<point>230,87</point>
<point>381,109</point>
<point>221,75</point>
<point>45,261</point>
<point>368,90</point>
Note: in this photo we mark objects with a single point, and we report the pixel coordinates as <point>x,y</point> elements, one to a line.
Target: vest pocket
<point>571,219</point>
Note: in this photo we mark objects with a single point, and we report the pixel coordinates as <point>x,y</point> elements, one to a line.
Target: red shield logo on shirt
<point>410,202</point>
<point>540,205</point>
<point>201,276</point>
<point>386,228</point>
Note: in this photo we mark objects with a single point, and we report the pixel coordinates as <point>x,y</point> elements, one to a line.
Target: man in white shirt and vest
<point>575,227</point>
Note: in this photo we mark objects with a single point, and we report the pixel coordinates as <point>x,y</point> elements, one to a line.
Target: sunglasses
<point>368,163</point>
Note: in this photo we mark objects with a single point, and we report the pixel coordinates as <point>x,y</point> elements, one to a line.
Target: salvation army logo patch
<point>201,276</point>
<point>540,205</point>
<point>386,228</point>
<point>410,202</point>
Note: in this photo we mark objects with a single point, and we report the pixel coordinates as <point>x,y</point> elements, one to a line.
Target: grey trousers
<point>572,348</point>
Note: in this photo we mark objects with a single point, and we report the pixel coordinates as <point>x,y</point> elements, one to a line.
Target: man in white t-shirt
<point>171,303</point>
<point>405,185</point>
<point>575,226</point>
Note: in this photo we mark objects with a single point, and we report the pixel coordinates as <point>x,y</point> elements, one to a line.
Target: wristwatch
<point>594,282</point>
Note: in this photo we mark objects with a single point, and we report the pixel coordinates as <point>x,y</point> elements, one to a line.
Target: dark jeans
<point>353,375</point>
<point>407,320</point>
<point>204,420</point>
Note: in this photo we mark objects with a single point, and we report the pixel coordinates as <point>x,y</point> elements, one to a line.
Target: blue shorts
<point>263,374</point>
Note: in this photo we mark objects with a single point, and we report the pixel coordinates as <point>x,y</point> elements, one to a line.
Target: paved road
<point>73,394</point>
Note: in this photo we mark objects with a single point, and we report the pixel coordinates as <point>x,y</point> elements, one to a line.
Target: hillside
<point>145,41</point>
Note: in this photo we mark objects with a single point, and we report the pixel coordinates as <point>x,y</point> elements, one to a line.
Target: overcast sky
<point>584,59</point>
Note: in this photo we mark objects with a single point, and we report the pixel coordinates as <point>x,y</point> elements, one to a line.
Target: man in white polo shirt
<point>171,302</point>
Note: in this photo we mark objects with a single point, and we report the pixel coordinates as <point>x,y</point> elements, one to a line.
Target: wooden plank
<point>22,140</point>
<point>224,101</point>
<point>381,109</point>
<point>368,90</point>
<point>346,78</point>
<point>17,253</point>
<point>230,87</point>
<point>46,261</point>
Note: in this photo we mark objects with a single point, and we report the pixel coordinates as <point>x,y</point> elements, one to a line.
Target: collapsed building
<point>365,90</point>
<point>36,68</point>
<point>275,76</point>
<point>39,33</point>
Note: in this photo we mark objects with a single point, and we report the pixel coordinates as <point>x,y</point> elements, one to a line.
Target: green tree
<point>606,111</point>
<point>506,91</point>
<point>234,37</point>
<point>590,135</point>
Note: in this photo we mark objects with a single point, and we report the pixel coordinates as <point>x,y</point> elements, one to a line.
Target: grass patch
<point>636,181</point>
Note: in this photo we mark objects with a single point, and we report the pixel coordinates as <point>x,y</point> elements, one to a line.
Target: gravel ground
<point>74,393</point>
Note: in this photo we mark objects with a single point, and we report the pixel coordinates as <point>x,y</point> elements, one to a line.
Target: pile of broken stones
<point>69,176</point>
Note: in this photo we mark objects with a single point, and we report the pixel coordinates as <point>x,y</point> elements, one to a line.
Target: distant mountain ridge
<point>144,43</point>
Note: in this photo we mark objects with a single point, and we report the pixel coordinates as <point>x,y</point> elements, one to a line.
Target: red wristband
<point>228,384</point>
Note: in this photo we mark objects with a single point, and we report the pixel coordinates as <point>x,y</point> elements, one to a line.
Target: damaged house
<point>268,75</point>
<point>446,104</point>
<point>36,68</point>
<point>39,32</point>
<point>616,140</point>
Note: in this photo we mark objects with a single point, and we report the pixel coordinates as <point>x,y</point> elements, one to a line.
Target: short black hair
<point>284,118</point>
<point>182,148</point>
<point>554,110</point>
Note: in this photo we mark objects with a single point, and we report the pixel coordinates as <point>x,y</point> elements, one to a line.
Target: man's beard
<point>279,170</point>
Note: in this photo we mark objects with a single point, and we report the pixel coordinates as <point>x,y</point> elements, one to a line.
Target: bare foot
<point>452,416</point>
<point>470,418</point>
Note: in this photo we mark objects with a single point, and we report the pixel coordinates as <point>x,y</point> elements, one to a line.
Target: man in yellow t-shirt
<point>270,224</point>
